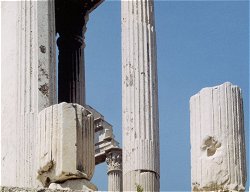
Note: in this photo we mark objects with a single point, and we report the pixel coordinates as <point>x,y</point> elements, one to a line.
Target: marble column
<point>71,19</point>
<point>139,97</point>
<point>28,81</point>
<point>114,161</point>
<point>218,157</point>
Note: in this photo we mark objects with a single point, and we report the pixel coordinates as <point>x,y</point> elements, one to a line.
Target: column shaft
<point>115,181</point>
<point>139,97</point>
<point>217,139</point>
<point>71,87</point>
<point>29,84</point>
<point>71,19</point>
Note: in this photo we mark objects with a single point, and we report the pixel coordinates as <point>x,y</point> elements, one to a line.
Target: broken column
<point>65,147</point>
<point>139,97</point>
<point>217,139</point>
<point>114,162</point>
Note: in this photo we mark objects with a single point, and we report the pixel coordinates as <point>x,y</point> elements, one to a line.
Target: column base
<point>74,184</point>
<point>138,180</point>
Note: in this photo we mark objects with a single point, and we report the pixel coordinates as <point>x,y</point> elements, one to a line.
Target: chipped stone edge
<point>14,189</point>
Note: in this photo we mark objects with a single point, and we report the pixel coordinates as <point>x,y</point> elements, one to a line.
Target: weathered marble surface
<point>75,185</point>
<point>217,139</point>
<point>18,189</point>
<point>28,80</point>
<point>140,122</point>
<point>65,144</point>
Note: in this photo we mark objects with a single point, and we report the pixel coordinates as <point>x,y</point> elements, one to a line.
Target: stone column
<point>139,97</point>
<point>114,161</point>
<point>71,19</point>
<point>217,139</point>
<point>28,81</point>
<point>65,146</point>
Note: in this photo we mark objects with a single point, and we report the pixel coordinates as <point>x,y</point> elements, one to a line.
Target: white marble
<point>218,160</point>
<point>140,122</point>
<point>28,81</point>
<point>114,162</point>
<point>76,184</point>
<point>9,125</point>
<point>104,137</point>
<point>65,144</point>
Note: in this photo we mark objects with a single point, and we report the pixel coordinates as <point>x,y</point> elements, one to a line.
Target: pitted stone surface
<point>19,189</point>
<point>75,185</point>
<point>140,121</point>
<point>29,84</point>
<point>218,160</point>
<point>65,144</point>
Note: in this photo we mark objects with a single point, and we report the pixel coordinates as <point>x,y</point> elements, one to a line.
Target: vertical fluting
<point>71,86</point>
<point>36,80</point>
<point>139,97</point>
<point>85,141</point>
<point>65,143</point>
<point>71,18</point>
<point>217,139</point>
<point>114,162</point>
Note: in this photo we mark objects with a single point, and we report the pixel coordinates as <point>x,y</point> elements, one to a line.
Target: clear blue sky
<point>199,43</point>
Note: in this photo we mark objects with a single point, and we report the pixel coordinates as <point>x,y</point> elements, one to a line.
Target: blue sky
<point>199,44</point>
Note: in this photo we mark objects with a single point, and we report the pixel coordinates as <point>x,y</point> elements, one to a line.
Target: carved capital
<point>114,160</point>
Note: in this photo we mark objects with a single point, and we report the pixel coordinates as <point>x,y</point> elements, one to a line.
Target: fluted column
<point>70,23</point>
<point>139,97</point>
<point>28,81</point>
<point>114,161</point>
<point>71,19</point>
<point>217,139</point>
<point>71,69</point>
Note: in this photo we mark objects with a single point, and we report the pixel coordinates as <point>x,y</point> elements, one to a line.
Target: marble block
<point>65,144</point>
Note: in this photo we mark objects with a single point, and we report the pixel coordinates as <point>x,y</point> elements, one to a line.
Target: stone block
<point>75,185</point>
<point>65,143</point>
